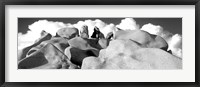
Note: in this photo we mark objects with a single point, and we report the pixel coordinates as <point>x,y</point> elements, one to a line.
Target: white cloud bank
<point>174,41</point>
<point>128,24</point>
<point>33,34</point>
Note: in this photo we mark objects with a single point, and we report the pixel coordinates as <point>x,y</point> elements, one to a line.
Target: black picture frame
<point>99,2</point>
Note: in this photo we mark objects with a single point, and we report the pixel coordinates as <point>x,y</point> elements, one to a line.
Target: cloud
<point>33,34</point>
<point>24,40</point>
<point>176,45</point>
<point>49,26</point>
<point>128,24</point>
<point>152,29</point>
<point>174,41</point>
<point>107,29</point>
<point>103,27</point>
<point>91,24</point>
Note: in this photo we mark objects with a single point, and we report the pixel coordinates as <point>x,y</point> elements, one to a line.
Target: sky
<point>169,29</point>
<point>173,25</point>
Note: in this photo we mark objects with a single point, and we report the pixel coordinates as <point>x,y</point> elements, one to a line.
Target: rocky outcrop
<point>142,37</point>
<point>67,33</point>
<point>58,42</point>
<point>127,54</point>
<point>44,36</point>
<point>97,33</point>
<point>84,33</point>
<point>121,49</point>
<point>48,57</point>
<point>103,43</point>
<point>81,48</point>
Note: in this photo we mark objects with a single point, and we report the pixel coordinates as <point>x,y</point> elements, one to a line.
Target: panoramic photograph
<point>100,43</point>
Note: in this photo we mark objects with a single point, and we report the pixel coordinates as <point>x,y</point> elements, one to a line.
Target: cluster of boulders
<point>71,48</point>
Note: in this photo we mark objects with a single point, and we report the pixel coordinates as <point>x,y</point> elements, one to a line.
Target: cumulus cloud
<point>24,40</point>
<point>176,45</point>
<point>128,24</point>
<point>33,34</point>
<point>108,28</point>
<point>49,26</point>
<point>152,29</point>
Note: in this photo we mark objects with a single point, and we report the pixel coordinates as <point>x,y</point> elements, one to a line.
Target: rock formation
<point>97,33</point>
<point>121,49</point>
<point>127,54</point>
<point>48,57</point>
<point>84,33</point>
<point>44,36</point>
<point>58,42</point>
<point>67,33</point>
<point>142,37</point>
<point>81,48</point>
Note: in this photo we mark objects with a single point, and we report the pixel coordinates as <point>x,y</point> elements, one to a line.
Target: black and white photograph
<point>100,43</point>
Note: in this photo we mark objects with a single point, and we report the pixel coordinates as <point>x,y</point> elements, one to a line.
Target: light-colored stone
<point>68,32</point>
<point>127,54</point>
<point>144,38</point>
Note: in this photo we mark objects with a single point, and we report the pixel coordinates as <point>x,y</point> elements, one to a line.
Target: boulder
<point>81,48</point>
<point>109,35</point>
<point>144,38</point>
<point>58,42</point>
<point>44,36</point>
<point>97,33</point>
<point>103,43</point>
<point>85,43</point>
<point>67,33</point>
<point>48,57</point>
<point>84,33</point>
<point>76,55</point>
<point>127,54</point>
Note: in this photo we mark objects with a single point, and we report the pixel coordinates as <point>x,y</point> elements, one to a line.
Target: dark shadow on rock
<point>48,57</point>
<point>97,33</point>
<point>22,53</point>
<point>109,35</point>
<point>169,51</point>
<point>58,42</point>
<point>76,55</point>
<point>33,61</point>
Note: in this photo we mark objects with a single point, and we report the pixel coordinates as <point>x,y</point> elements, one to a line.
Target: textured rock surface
<point>142,37</point>
<point>44,36</point>
<point>84,33</point>
<point>97,33</point>
<point>127,54</point>
<point>59,42</point>
<point>47,57</point>
<point>76,55</point>
<point>103,43</point>
<point>81,48</point>
<point>67,32</point>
